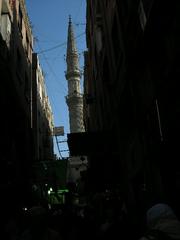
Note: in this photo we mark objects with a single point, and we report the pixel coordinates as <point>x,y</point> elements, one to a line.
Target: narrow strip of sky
<point>49,20</point>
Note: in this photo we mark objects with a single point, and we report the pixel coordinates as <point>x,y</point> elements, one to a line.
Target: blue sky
<point>49,19</point>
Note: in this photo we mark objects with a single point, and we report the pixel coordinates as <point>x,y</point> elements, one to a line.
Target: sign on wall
<point>59,131</point>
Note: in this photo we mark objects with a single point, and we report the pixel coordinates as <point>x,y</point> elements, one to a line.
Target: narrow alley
<point>91,120</point>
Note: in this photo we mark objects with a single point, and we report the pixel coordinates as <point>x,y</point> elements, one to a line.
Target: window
<point>99,34</point>
<point>19,65</point>
<point>6,28</point>
<point>142,15</point>
<point>26,87</point>
<point>27,44</point>
<point>98,38</point>
<point>20,19</point>
<point>106,73</point>
<point>116,41</point>
<point>40,91</point>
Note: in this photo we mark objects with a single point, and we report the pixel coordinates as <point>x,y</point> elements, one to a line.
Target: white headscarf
<point>162,217</point>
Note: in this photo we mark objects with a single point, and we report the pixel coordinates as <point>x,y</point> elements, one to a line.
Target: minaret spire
<point>70,18</point>
<point>71,40</point>
<point>74,98</point>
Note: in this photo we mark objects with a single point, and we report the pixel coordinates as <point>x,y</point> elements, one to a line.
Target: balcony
<point>73,73</point>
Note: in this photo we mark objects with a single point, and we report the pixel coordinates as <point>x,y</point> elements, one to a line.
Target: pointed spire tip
<point>70,20</point>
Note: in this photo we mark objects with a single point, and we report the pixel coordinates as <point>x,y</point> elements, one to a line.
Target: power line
<point>52,71</point>
<point>58,148</point>
<point>52,48</point>
<point>79,24</point>
<point>59,45</point>
<point>78,10</point>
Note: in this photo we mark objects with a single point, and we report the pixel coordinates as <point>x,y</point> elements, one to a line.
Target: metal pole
<point>58,147</point>
<point>159,120</point>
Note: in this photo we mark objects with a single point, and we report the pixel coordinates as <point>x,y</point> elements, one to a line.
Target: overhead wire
<point>59,45</point>
<point>42,52</point>
<point>58,148</point>
<point>51,97</point>
<point>52,71</point>
<point>55,109</point>
<point>78,10</point>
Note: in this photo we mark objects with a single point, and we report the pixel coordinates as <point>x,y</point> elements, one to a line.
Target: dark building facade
<point>42,119</point>
<point>131,100</point>
<point>16,45</point>
<point>18,145</point>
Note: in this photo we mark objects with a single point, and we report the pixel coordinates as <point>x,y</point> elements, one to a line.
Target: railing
<point>75,94</point>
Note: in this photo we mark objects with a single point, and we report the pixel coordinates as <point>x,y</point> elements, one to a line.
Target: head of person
<point>159,212</point>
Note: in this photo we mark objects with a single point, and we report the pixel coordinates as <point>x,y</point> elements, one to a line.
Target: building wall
<point>27,115</point>
<point>15,100</point>
<point>42,115</point>
<point>124,94</point>
<point>6,18</point>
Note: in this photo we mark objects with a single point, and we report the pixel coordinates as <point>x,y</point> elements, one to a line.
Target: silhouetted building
<point>42,115</point>
<point>27,116</point>
<point>16,43</point>
<point>131,103</point>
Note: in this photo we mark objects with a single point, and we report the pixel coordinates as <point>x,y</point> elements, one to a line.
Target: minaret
<point>74,99</point>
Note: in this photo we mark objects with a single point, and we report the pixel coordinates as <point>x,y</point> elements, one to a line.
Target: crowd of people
<point>101,218</point>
